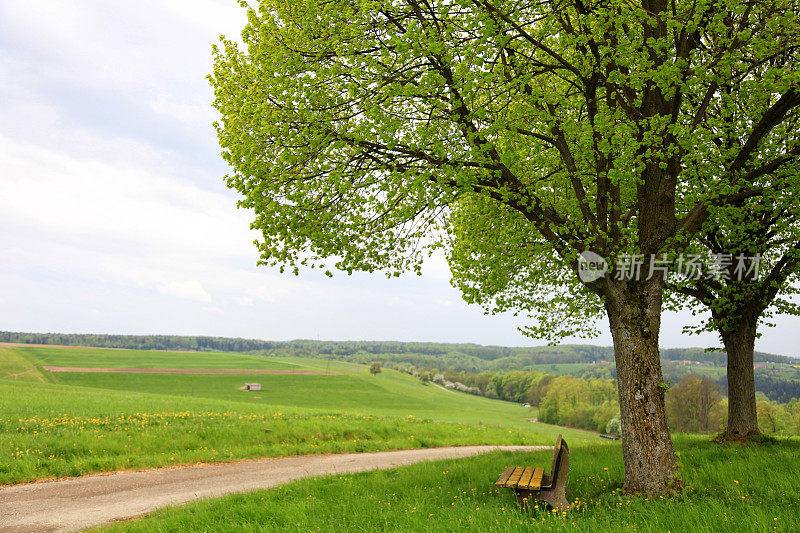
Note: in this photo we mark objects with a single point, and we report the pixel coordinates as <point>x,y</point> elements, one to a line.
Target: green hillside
<point>90,422</point>
<point>120,358</point>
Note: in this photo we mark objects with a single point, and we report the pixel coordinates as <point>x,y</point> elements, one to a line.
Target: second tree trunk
<point>742,416</point>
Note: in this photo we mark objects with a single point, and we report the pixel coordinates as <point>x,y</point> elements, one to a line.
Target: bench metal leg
<point>555,498</point>
<point>525,498</point>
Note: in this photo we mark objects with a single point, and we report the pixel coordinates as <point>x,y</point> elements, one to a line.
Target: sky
<point>114,217</point>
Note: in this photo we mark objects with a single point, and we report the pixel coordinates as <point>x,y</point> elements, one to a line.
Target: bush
<point>614,426</point>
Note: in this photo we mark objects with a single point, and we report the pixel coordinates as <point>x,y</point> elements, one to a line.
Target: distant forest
<point>467,357</point>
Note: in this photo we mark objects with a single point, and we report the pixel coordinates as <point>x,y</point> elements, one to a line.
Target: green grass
<point>353,390</point>
<point>98,357</point>
<point>57,431</point>
<point>738,488</point>
<point>92,422</point>
<point>387,394</point>
<point>15,365</point>
<point>277,390</point>
<point>676,370</point>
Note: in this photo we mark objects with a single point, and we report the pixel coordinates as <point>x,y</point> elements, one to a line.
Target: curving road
<point>75,504</point>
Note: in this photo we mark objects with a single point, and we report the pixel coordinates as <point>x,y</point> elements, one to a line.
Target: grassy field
<point>15,365</point>
<point>98,357</point>
<point>91,422</point>
<point>353,389</point>
<point>69,424</point>
<point>751,488</point>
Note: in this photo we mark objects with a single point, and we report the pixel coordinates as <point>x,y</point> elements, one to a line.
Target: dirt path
<point>18,374</point>
<point>225,371</point>
<point>76,504</point>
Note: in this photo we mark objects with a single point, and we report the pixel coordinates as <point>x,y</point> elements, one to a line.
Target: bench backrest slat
<point>556,458</point>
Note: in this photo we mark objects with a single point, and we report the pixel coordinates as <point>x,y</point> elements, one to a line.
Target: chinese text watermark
<point>693,267</point>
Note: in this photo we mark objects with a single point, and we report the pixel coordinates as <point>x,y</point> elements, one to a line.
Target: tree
<point>614,426</point>
<point>375,368</point>
<point>538,389</point>
<point>577,402</point>
<point>691,403</point>
<point>793,416</point>
<point>768,230</point>
<point>356,130</point>
<point>768,414</point>
<point>767,227</point>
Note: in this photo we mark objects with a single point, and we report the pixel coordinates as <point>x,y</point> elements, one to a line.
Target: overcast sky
<point>114,217</point>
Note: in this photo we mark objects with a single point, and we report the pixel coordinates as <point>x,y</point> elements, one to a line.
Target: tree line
<point>449,355</point>
<point>694,404</point>
<point>698,405</point>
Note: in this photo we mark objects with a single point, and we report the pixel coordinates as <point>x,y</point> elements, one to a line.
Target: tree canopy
<point>357,129</point>
<point>352,126</point>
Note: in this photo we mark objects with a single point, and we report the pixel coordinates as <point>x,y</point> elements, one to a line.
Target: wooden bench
<point>532,483</point>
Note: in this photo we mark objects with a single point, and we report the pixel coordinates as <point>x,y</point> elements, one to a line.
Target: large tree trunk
<point>634,312</point>
<point>742,416</point>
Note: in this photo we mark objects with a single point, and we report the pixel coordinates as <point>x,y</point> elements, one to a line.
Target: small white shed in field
<point>252,386</point>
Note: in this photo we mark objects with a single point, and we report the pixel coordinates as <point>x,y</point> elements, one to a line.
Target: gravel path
<point>79,503</point>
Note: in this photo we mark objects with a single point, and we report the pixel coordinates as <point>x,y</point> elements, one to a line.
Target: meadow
<point>14,364</point>
<point>112,358</point>
<point>55,424</point>
<point>351,389</point>
<point>96,422</point>
<point>739,488</point>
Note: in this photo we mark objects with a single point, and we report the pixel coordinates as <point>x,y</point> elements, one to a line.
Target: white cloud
<point>400,301</point>
<point>190,290</point>
<point>244,301</point>
<point>281,289</point>
<point>136,206</point>
<point>145,47</point>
